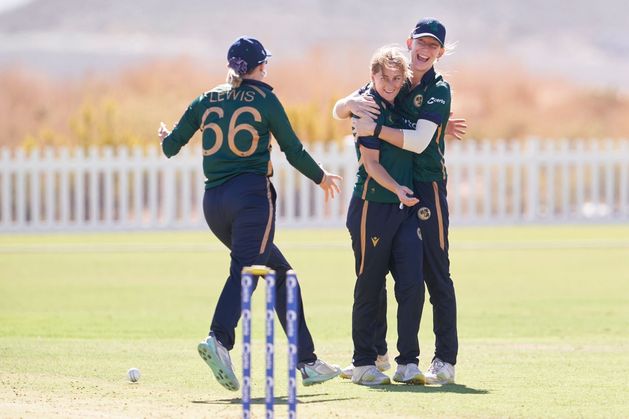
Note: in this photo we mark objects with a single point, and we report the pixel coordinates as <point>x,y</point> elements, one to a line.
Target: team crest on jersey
<point>375,240</point>
<point>417,100</point>
<point>423,213</point>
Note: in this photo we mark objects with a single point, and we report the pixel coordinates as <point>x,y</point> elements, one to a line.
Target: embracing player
<point>385,236</point>
<point>425,102</point>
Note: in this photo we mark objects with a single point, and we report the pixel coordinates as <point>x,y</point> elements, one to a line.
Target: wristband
<point>377,130</point>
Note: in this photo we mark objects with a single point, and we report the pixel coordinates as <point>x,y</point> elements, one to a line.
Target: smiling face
<point>389,69</point>
<point>388,82</point>
<point>424,53</point>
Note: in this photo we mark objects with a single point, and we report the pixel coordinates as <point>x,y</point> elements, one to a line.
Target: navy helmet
<point>245,54</point>
<point>430,27</point>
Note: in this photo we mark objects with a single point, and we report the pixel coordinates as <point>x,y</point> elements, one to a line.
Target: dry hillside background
<point>83,72</point>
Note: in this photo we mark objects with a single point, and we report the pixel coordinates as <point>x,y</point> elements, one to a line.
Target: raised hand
<point>364,107</point>
<point>363,126</point>
<point>162,132</point>
<point>456,127</point>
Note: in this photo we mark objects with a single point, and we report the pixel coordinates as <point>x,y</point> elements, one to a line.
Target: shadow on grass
<point>279,400</point>
<point>448,388</point>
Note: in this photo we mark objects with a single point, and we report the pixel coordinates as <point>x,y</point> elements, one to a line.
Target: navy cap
<point>430,27</point>
<point>245,54</point>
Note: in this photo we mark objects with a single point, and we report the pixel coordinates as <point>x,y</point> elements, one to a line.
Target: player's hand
<point>364,107</point>
<point>405,195</point>
<point>329,186</point>
<point>162,132</point>
<point>363,126</point>
<point>456,127</point>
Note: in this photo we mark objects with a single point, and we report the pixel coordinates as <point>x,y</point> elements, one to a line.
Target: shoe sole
<point>381,368</point>
<point>438,381</point>
<point>319,379</point>
<point>383,382</point>
<point>418,380</point>
<point>210,356</point>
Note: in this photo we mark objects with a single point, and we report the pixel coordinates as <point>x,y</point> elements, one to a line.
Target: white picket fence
<point>490,182</point>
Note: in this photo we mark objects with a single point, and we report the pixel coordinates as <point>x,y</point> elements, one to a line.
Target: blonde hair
<point>449,48</point>
<point>233,78</point>
<point>390,56</point>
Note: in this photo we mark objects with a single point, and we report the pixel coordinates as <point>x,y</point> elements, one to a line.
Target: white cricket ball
<point>133,374</point>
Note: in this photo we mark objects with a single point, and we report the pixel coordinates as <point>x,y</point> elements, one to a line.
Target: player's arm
<point>294,150</point>
<point>183,130</point>
<point>371,160</point>
<point>356,104</point>
<point>414,140</point>
<point>289,143</point>
<point>418,139</point>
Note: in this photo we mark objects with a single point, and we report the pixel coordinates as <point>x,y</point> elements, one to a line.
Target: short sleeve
<point>437,105</point>
<point>369,142</point>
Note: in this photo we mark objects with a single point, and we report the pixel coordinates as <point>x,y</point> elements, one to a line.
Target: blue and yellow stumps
<point>247,280</point>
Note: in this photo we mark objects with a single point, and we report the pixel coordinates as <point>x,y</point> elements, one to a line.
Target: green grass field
<point>543,324</point>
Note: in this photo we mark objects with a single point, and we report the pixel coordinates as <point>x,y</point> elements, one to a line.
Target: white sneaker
<point>217,357</point>
<point>440,372</point>
<point>369,375</point>
<point>317,372</point>
<point>347,372</point>
<point>382,363</point>
<point>409,374</point>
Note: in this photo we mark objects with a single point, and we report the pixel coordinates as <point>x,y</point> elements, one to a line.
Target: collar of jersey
<point>428,77</point>
<point>257,83</point>
<point>379,99</point>
<point>431,77</point>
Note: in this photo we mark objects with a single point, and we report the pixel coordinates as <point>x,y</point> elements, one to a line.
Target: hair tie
<point>238,65</point>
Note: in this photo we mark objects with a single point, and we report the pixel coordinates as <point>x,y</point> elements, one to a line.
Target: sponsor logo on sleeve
<point>435,100</point>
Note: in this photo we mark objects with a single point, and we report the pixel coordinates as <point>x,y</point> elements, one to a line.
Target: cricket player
<point>237,119</point>
<point>385,235</point>
<point>425,102</point>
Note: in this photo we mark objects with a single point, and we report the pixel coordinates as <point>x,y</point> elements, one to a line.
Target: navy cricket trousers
<point>434,221</point>
<point>241,213</point>
<point>385,239</point>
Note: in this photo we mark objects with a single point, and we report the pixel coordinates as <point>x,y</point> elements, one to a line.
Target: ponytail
<point>233,78</point>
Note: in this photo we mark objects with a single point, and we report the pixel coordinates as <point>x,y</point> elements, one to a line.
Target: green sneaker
<point>217,357</point>
<point>317,372</point>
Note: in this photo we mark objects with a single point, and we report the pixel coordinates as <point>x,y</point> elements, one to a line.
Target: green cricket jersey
<point>397,162</point>
<point>430,100</point>
<point>236,125</point>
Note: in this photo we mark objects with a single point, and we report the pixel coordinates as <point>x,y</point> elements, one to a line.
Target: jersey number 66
<point>232,130</point>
